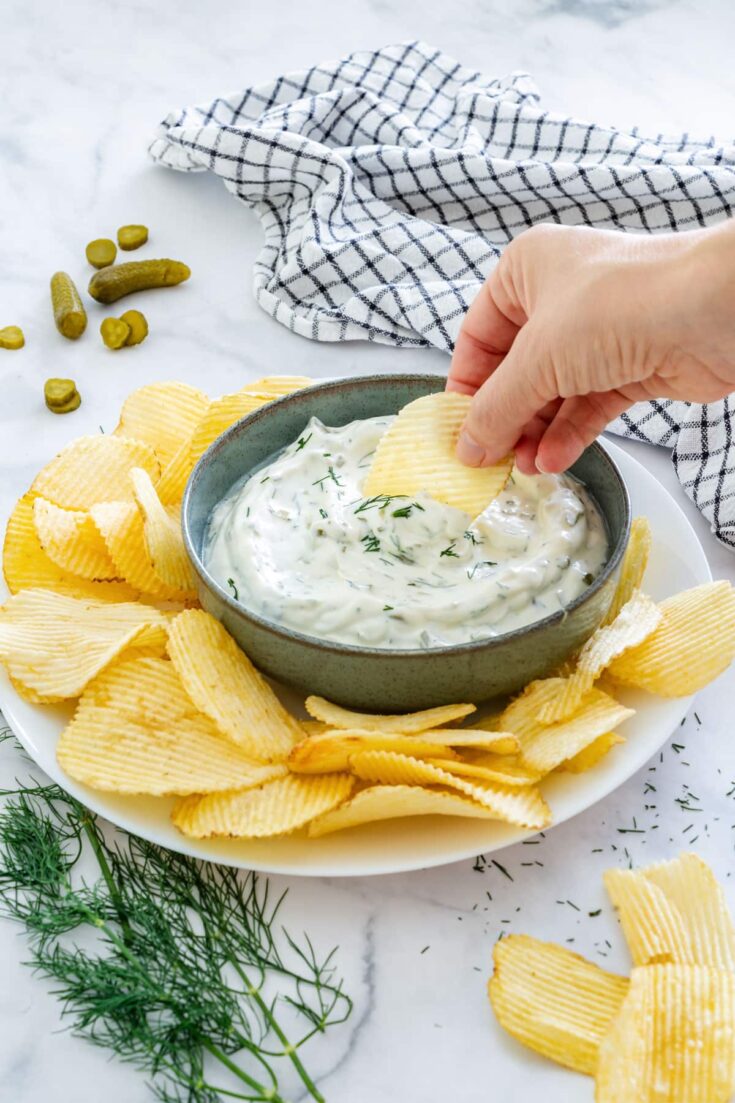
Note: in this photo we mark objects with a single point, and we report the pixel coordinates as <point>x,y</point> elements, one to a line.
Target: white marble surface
<point>81,87</point>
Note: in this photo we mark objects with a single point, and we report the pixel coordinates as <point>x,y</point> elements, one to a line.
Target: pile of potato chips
<point>666,1035</point>
<point>104,612</point>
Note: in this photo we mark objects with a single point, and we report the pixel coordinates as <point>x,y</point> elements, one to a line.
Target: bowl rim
<point>271,409</point>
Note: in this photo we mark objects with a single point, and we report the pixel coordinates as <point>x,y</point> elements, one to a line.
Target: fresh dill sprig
<point>449,551</point>
<point>370,542</point>
<point>187,974</point>
<point>329,475</point>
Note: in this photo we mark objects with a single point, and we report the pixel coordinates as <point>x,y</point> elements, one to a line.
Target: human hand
<point>574,325</point>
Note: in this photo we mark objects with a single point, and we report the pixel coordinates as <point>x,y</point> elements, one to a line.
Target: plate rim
<point>96,801</point>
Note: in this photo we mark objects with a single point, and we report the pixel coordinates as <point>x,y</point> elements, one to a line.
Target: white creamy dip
<point>299,544</point>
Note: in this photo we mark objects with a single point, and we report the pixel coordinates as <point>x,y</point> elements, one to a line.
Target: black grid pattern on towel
<point>387,184</point>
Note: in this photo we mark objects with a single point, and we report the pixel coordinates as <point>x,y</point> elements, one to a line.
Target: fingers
<point>486,335</point>
<point>577,423</point>
<point>504,406</point>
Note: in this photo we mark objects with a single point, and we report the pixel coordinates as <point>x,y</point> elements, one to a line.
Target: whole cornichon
<point>69,313</point>
<point>110,284</point>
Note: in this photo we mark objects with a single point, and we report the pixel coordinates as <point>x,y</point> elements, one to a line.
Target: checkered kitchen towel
<point>387,184</point>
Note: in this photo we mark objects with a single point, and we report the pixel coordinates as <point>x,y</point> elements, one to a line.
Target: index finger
<point>484,339</point>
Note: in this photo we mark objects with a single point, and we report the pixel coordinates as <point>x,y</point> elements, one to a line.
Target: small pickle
<point>101,252</point>
<point>138,326</point>
<point>115,332</point>
<point>69,313</point>
<point>132,237</point>
<point>12,338</point>
<point>111,284</point>
<point>61,395</point>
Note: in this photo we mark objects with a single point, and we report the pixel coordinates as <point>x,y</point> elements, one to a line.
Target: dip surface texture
<point>298,544</point>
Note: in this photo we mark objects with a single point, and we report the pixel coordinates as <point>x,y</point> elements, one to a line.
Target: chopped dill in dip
<point>297,543</point>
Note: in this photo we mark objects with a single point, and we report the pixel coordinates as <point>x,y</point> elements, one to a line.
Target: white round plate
<point>677,562</point>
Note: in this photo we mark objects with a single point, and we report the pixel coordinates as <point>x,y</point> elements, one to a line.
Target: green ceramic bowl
<point>370,678</point>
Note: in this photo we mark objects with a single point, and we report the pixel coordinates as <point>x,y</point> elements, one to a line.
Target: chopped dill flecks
<point>233,587</point>
<point>449,551</point>
<point>406,511</point>
<point>303,441</point>
<point>502,869</point>
<point>370,542</point>
<point>380,501</point>
<point>329,475</point>
<point>323,513</point>
<point>387,608</point>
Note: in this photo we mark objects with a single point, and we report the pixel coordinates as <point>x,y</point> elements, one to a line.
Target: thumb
<point>513,395</point>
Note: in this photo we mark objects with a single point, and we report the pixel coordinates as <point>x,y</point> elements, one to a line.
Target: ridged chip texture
<point>331,750</point>
<point>276,808</point>
<point>53,645</point>
<point>418,452</point>
<point>544,747</point>
<point>174,476</point>
<point>70,538</point>
<point>220,415</point>
<point>524,807</point>
<point>491,768</point>
<point>635,622</point>
<point>554,1001</point>
<point>673,1040</point>
<point>390,802</point>
<point>121,526</point>
<point>94,469</point>
<point>163,539</point>
<point>223,683</point>
<point>409,722</point>
<point>136,731</point>
<point>692,645</point>
<point>633,567</point>
<point>654,928</point>
<point>162,414</point>
<point>685,917</point>
<point>26,565</point>
<point>593,753</point>
<point>276,386</point>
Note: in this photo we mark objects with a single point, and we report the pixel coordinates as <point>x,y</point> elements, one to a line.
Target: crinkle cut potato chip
<point>554,1001</point>
<point>524,807</point>
<point>276,386</point>
<point>277,808</point>
<point>331,751</point>
<point>593,753</point>
<point>655,930</point>
<point>219,416</point>
<point>407,723</point>
<point>223,683</point>
<point>633,567</point>
<point>418,453</point>
<point>163,539</point>
<point>544,747</point>
<point>674,912</point>
<point>164,415</point>
<point>172,484</point>
<point>390,802</point>
<point>121,527</point>
<point>53,645</point>
<point>94,469</point>
<point>692,645</point>
<point>635,622</point>
<point>673,1040</point>
<point>72,541</point>
<point>26,565</point>
<point>136,730</point>
<point>490,768</point>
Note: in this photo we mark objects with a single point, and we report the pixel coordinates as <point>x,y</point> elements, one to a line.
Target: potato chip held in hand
<point>418,453</point>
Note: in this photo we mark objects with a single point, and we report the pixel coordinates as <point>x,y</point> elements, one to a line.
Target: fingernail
<point>540,467</point>
<point>469,451</point>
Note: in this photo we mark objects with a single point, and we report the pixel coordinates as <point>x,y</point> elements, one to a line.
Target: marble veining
<point>82,88</point>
